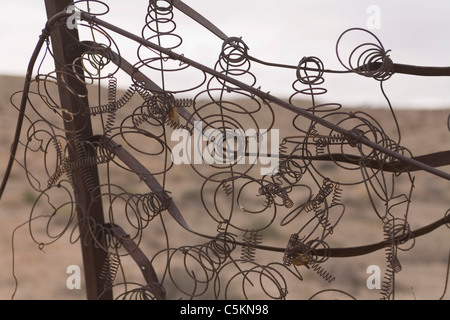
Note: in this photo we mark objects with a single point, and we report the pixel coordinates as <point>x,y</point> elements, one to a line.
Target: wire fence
<point>269,176</point>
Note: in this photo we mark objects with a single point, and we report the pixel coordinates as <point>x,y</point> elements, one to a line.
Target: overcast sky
<point>282,31</point>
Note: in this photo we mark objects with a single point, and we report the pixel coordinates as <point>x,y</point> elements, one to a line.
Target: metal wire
<point>303,198</point>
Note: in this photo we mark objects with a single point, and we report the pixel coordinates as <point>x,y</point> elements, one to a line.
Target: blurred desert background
<point>30,272</point>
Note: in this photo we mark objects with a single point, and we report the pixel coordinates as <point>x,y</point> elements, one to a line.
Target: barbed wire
<point>301,201</point>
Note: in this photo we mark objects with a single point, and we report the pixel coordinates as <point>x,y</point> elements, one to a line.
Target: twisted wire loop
<point>140,292</point>
<point>113,104</point>
<point>160,27</point>
<point>232,120</point>
<point>89,66</point>
<point>368,59</point>
<point>255,280</point>
<point>252,238</point>
<point>164,108</point>
<point>271,191</point>
<point>230,142</point>
<point>301,253</point>
<point>310,78</point>
<point>190,270</point>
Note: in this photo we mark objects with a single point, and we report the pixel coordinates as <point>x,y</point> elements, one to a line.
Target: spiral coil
<point>321,142</point>
<point>112,89</point>
<point>322,217</point>
<point>241,204</point>
<point>387,284</point>
<point>84,162</point>
<point>367,56</point>
<point>162,108</point>
<point>150,205</point>
<point>100,235</point>
<point>160,27</point>
<point>272,190</point>
<point>111,117</point>
<point>320,147</point>
<point>309,72</point>
<point>59,171</point>
<point>321,272</point>
<point>300,253</point>
<point>393,264</point>
<point>54,178</point>
<point>109,270</point>
<point>325,190</point>
<point>234,61</point>
<point>290,172</point>
<point>160,22</point>
<point>251,238</point>
<point>287,202</point>
<point>183,103</point>
<point>391,251</point>
<point>222,246</point>
<point>141,116</point>
<point>113,105</point>
<point>294,250</point>
<point>337,194</point>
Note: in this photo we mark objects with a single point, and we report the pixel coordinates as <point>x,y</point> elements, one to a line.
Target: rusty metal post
<point>88,200</point>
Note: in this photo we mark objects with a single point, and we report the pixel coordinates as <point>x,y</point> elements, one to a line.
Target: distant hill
<point>422,131</point>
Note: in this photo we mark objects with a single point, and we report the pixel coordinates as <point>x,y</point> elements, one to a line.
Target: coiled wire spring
<point>163,108</point>
<point>84,162</point>
<point>326,189</point>
<point>312,79</point>
<point>393,264</point>
<point>321,142</point>
<point>251,239</point>
<point>113,105</point>
<point>109,270</point>
<point>271,190</point>
<point>300,253</point>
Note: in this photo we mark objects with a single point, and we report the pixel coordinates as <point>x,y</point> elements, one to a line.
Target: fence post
<point>86,193</point>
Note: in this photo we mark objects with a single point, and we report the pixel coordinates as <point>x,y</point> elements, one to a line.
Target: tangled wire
<point>249,184</point>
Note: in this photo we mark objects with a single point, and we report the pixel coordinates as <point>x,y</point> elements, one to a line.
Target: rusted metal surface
<point>78,128</point>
